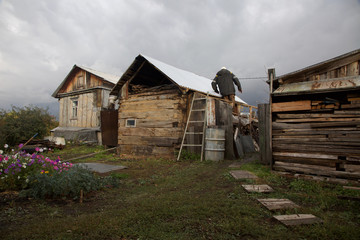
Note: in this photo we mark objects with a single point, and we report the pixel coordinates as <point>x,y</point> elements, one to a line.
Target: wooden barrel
<point>215,144</point>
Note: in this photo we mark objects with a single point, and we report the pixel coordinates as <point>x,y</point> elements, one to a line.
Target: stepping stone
<point>101,167</point>
<point>235,165</point>
<point>240,174</point>
<point>276,204</point>
<point>258,188</point>
<point>298,219</point>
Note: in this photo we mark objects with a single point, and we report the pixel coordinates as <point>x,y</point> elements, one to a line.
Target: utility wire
<point>252,78</point>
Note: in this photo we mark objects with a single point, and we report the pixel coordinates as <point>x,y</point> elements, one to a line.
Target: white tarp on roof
<point>187,79</point>
<point>108,77</point>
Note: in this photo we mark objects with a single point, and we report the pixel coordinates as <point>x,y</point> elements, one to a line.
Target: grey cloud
<point>41,40</point>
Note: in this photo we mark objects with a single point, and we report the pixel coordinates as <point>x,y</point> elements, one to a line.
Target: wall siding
<point>323,137</point>
<point>160,120</point>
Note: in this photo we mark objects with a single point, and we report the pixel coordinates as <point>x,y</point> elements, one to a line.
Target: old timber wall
<point>152,123</point>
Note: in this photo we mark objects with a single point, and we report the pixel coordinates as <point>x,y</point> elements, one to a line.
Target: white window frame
<point>74,108</point>
<point>130,125</point>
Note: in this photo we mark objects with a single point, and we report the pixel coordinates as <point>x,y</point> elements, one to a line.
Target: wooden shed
<point>82,95</point>
<point>155,100</point>
<point>315,119</point>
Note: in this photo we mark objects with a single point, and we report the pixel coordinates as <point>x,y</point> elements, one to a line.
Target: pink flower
<point>56,168</point>
<point>37,149</point>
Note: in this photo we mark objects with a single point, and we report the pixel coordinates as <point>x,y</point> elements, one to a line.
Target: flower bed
<point>38,176</point>
<point>17,167</point>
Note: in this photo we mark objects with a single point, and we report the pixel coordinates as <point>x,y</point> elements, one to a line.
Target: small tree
<point>20,124</point>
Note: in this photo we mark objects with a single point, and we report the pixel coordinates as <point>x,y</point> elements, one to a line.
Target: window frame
<point>130,125</point>
<point>74,108</point>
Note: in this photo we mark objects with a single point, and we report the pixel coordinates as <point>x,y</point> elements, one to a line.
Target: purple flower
<point>21,145</point>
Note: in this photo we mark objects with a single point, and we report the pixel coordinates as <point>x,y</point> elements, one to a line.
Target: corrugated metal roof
<point>186,79</point>
<point>109,77</point>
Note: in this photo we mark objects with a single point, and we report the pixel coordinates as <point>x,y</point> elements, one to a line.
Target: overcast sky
<point>40,40</point>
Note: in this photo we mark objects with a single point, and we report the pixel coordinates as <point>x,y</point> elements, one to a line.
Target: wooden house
<point>82,95</point>
<point>154,105</point>
<point>315,116</point>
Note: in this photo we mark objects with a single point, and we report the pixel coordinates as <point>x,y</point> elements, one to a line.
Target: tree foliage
<point>19,124</point>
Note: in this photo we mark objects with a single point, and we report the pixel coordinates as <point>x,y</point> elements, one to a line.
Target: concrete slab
<point>298,219</point>
<point>240,174</point>
<point>235,165</point>
<point>276,204</point>
<point>262,188</point>
<point>101,167</point>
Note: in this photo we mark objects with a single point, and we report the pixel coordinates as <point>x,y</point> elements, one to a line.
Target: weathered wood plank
<point>322,131</point>
<point>313,169</point>
<point>276,203</point>
<point>297,219</point>
<point>336,114</point>
<point>329,119</point>
<point>240,174</point>
<point>341,150</point>
<point>262,188</point>
<point>291,106</point>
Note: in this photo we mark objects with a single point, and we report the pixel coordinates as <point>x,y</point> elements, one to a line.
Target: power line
<point>252,78</point>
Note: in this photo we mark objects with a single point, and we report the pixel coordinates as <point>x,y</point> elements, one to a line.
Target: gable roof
<point>181,78</point>
<point>110,78</point>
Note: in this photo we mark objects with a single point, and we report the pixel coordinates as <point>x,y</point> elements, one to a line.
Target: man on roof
<point>225,80</point>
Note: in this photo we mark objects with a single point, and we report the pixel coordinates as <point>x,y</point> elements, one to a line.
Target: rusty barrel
<point>214,144</point>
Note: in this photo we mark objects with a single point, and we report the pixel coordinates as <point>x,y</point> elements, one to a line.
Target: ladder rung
<point>198,99</point>
<point>196,121</point>
<point>194,133</point>
<point>192,145</point>
<point>198,110</point>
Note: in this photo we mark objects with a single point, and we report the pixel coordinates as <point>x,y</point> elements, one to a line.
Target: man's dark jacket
<point>225,80</point>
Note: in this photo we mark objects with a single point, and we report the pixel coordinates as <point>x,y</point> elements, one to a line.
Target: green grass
<point>162,199</point>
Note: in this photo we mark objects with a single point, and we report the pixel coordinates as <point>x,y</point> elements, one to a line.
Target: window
<point>75,103</point>
<point>80,82</point>
<point>130,123</point>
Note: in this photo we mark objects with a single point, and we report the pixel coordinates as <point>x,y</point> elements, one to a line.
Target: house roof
<point>108,77</point>
<point>300,84</point>
<point>182,78</point>
<point>326,65</point>
<point>112,79</point>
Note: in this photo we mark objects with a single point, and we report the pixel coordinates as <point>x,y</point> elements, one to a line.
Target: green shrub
<point>66,184</point>
<point>20,124</point>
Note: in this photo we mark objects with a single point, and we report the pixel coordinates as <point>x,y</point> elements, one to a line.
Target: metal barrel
<point>215,144</point>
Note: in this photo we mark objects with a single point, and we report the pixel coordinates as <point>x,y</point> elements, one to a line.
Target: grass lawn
<point>161,199</point>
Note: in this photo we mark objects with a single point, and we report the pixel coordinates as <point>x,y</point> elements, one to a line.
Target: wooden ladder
<point>203,100</point>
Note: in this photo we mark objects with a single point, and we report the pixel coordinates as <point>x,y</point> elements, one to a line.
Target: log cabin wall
<point>81,99</point>
<point>151,123</point>
<point>83,110</point>
<point>318,132</point>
